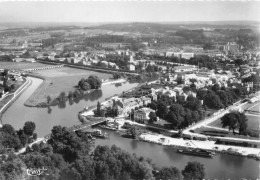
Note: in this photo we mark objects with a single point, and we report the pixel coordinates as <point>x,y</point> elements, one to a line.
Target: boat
<point>196,152</point>
<point>108,127</point>
<point>99,134</point>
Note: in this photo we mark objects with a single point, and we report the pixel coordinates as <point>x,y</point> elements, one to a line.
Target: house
<point>142,115</point>
<point>17,59</point>
<point>31,60</point>
<point>131,67</point>
<point>125,105</point>
<point>187,55</point>
<point>146,100</point>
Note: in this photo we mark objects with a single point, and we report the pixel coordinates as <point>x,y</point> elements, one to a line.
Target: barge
<point>196,152</point>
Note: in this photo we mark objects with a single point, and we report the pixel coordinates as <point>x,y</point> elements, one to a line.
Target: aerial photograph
<point>130,90</point>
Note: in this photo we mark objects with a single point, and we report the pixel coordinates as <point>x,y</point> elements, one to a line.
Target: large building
<point>187,55</point>
<point>231,46</point>
<point>142,115</point>
<point>185,68</point>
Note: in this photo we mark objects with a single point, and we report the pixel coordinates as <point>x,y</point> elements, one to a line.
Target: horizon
<point>129,12</point>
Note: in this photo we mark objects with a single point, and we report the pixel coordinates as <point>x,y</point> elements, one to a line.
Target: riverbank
<point>14,96</point>
<point>193,144</point>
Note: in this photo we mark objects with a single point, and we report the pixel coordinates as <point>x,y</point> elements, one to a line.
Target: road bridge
<point>82,126</point>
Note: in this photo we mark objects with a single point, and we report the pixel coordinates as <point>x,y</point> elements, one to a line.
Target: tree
<point>29,128</point>
<point>193,170</point>
<point>162,109</point>
<point>212,100</point>
<point>116,75</point>
<point>216,88</point>
<point>34,136</point>
<point>193,87</point>
<point>24,139</point>
<point>234,120</point>
<point>62,97</point>
<point>85,86</point>
<point>94,82</point>
<point>7,128</point>
<point>98,111</point>
<point>12,169</point>
<point>168,173</point>
<point>152,117</point>
<point>36,147</point>
<point>186,89</point>
<point>48,99</point>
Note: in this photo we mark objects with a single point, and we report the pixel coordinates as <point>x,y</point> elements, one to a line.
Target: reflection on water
<point>49,110</point>
<point>92,96</point>
<point>62,105</point>
<point>118,84</point>
<point>172,156</point>
<point>134,144</point>
<point>232,160</point>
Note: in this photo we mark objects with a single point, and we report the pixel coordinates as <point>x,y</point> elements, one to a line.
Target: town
<point>80,99</point>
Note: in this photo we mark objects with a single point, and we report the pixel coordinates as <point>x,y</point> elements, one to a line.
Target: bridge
<point>81,126</point>
<point>43,68</point>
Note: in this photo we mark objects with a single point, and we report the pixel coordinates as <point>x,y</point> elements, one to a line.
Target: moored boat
<point>108,127</point>
<point>196,152</point>
<point>99,134</point>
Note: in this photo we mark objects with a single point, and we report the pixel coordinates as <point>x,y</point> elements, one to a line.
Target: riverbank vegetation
<point>68,155</point>
<point>12,139</point>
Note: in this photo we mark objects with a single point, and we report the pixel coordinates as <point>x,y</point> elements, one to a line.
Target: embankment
<point>33,100</point>
<point>17,94</point>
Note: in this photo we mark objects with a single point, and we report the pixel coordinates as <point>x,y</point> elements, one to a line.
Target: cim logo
<point>35,172</point>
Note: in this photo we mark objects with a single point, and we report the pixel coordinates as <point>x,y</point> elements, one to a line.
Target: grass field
<point>255,107</point>
<point>212,131</point>
<point>71,72</point>
<point>20,65</point>
<point>252,123</point>
<point>60,80</point>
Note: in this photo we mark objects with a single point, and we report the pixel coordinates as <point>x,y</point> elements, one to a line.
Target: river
<point>221,166</point>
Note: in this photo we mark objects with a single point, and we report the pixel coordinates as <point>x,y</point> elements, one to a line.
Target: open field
<point>71,72</point>
<point>220,133</point>
<point>21,65</point>
<point>253,122</point>
<point>255,107</point>
<point>59,80</point>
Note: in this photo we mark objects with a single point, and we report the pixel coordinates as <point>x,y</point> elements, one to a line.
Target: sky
<point>125,11</point>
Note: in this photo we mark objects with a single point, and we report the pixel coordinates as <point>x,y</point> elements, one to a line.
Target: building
<point>187,55</point>
<point>142,115</point>
<point>131,67</point>
<point>231,46</point>
<point>184,68</point>
<point>169,54</point>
